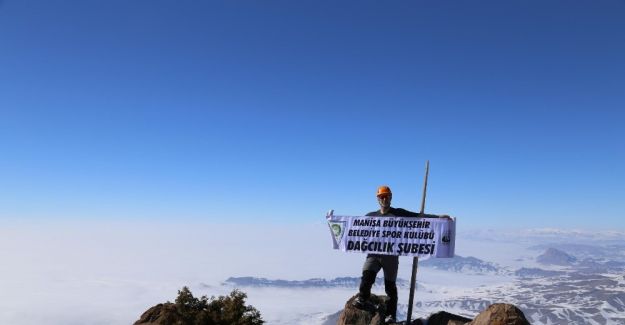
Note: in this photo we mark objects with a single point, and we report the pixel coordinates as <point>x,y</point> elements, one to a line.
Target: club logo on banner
<point>338,229</point>
<point>404,236</point>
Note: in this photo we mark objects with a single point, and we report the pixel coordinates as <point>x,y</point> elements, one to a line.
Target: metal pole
<point>425,186</point>
<point>415,260</point>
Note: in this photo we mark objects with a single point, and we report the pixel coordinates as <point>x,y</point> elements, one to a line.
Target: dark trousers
<point>389,264</point>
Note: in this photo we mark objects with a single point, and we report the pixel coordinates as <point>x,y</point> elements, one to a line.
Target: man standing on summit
<point>388,263</point>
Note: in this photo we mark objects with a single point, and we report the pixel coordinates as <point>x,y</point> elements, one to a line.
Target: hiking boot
<point>363,304</point>
<point>359,303</point>
<point>390,319</point>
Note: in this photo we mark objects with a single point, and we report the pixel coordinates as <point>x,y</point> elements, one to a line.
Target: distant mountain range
<point>460,264</point>
<point>604,253</point>
<point>463,265</point>
<point>341,282</point>
<point>554,256</point>
<point>546,234</point>
<point>591,264</point>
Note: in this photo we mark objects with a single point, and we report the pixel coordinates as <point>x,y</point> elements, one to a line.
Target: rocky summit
<point>495,314</point>
<point>500,314</point>
<point>372,316</point>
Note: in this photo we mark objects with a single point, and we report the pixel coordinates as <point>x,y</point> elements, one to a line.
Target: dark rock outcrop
<point>161,314</point>
<point>354,316</point>
<point>444,318</point>
<point>500,314</point>
<point>495,314</point>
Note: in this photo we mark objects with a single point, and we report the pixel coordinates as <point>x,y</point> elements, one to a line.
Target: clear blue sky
<point>272,111</point>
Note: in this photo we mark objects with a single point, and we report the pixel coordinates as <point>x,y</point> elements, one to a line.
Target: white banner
<point>404,236</point>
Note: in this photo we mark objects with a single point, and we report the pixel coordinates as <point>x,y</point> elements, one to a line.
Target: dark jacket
<point>399,212</point>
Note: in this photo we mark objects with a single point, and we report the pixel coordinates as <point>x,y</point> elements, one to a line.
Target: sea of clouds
<point>101,272</point>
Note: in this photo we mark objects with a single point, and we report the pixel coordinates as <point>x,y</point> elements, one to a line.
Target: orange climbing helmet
<point>384,190</point>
